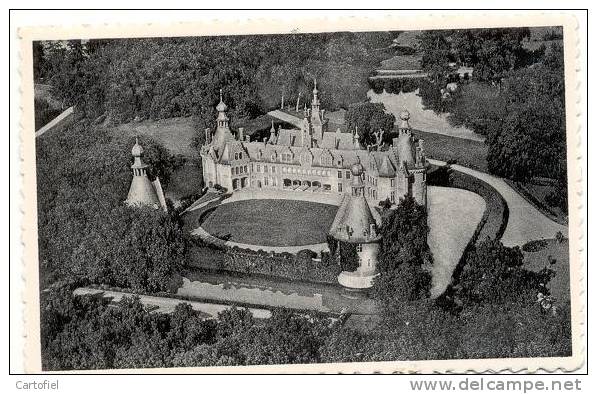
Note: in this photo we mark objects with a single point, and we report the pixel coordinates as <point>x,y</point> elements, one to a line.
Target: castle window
<point>359,247</point>
<point>240,156</point>
<point>265,169</point>
<point>392,181</point>
<point>258,168</point>
<point>339,187</point>
<point>265,181</point>
<point>347,174</point>
<point>339,174</point>
<point>273,170</point>
<point>246,169</point>
<point>393,197</point>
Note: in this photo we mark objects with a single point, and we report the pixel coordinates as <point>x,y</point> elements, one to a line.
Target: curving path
<point>525,222</point>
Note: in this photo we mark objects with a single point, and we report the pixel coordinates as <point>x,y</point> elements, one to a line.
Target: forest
<point>515,98</point>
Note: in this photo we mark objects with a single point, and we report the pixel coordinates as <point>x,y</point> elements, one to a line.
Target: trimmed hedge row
<point>495,218</point>
<point>302,266</point>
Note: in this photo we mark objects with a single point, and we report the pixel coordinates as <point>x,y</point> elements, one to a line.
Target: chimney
<point>241,133</point>
<point>207,136</point>
<point>282,104</point>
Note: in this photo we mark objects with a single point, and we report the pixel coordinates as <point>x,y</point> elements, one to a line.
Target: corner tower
<point>143,192</point>
<point>355,224</point>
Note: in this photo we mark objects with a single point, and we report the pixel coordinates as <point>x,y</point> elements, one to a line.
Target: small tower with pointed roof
<point>317,120</point>
<point>222,135</point>
<point>355,224</point>
<point>143,192</point>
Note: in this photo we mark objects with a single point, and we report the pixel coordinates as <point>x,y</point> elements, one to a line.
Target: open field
<point>536,261</point>
<point>421,118</point>
<point>465,152</point>
<point>453,218</point>
<point>272,222</point>
<point>175,133</point>
<point>402,62</point>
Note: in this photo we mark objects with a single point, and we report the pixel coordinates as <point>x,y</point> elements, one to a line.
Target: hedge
<point>302,266</point>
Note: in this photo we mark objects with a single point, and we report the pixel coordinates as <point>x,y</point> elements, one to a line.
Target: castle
<point>314,159</point>
<point>311,159</point>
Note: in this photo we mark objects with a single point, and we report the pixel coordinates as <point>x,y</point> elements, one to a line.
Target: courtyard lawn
<point>453,218</point>
<point>272,222</point>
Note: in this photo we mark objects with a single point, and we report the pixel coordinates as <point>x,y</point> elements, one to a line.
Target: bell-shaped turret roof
<point>355,222</point>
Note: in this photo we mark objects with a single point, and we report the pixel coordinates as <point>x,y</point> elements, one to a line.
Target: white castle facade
<point>314,159</point>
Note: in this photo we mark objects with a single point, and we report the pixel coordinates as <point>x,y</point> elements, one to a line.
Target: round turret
<point>221,107</point>
<point>404,117</point>
<point>357,169</point>
<point>137,150</point>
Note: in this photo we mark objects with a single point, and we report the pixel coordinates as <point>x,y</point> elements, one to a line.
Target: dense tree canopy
<point>167,77</point>
<point>369,118</point>
<point>403,254</point>
<point>86,234</point>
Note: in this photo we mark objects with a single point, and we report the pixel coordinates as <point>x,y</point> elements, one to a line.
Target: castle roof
<point>355,222</point>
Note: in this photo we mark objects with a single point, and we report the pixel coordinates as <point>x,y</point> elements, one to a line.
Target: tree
<point>369,118</point>
<point>494,274</point>
<point>436,53</point>
<point>404,236</point>
<point>403,253</point>
<point>492,52</point>
<point>407,282</point>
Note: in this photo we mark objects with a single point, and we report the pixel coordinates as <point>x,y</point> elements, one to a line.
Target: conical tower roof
<point>356,223</point>
<point>142,191</point>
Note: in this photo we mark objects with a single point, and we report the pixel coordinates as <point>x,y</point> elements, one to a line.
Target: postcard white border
<point>395,21</point>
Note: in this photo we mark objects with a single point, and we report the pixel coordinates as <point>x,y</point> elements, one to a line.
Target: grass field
<point>175,133</point>
<point>453,218</point>
<point>468,153</point>
<point>272,222</point>
<point>535,261</point>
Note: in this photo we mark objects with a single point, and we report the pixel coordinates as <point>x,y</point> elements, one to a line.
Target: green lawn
<point>175,133</point>
<point>272,222</point>
<point>468,153</point>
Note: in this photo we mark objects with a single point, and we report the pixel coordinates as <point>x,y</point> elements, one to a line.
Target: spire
<point>315,102</point>
<point>222,134</point>
<point>221,107</point>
